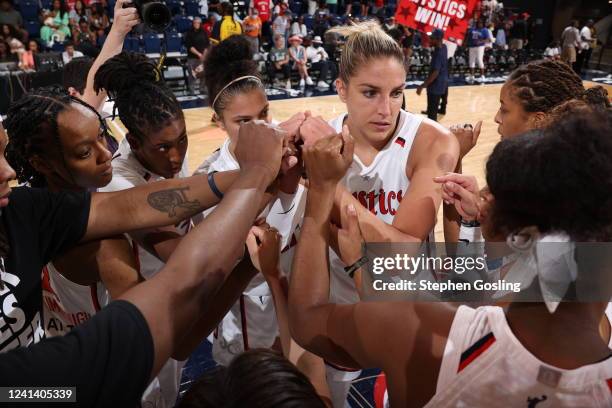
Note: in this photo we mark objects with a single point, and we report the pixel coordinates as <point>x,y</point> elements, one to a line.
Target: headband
<point>233,82</point>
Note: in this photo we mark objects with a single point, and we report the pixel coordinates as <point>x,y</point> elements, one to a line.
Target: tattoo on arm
<point>172,201</point>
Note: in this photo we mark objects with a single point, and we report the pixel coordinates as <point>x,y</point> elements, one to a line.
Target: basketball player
<point>397,154</point>
<point>154,149</point>
<point>436,354</point>
<point>238,96</point>
<point>526,99</point>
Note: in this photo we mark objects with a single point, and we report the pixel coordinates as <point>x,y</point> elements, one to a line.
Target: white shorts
<point>477,57</point>
<point>250,323</point>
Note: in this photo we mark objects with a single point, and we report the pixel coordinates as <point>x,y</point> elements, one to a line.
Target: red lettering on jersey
<point>390,197</point>
<point>371,202</point>
<point>399,196</point>
<point>382,205</point>
<point>51,302</point>
<point>361,196</point>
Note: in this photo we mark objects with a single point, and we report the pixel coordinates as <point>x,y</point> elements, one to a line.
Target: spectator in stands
<point>312,7</point>
<point>500,37</point>
<point>10,36</point>
<point>378,7</point>
<point>203,8</point>
<point>70,53</point>
<point>570,40</point>
<point>297,54</point>
<point>490,29</point>
<point>56,26</point>
<point>197,44</point>
<point>518,32</point>
<point>477,38</point>
<point>279,61</point>
<point>209,24</point>
<point>553,51</point>
<point>27,61</point>
<point>437,81</point>
<point>99,20</point>
<point>586,46</point>
<point>79,12</point>
<point>321,20</point>
<point>280,26</point>
<point>332,6</point>
<point>227,26</point>
<point>10,16</point>
<point>264,9</point>
<point>389,24</point>
<point>319,60</point>
<point>5,53</point>
<point>214,9</point>
<point>85,39</point>
<point>365,7</point>
<point>299,28</point>
<point>252,29</point>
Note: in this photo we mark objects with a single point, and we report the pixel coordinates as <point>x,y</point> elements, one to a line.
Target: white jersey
<point>128,172</point>
<point>485,365</point>
<point>251,321</point>
<point>379,187</point>
<point>67,304</point>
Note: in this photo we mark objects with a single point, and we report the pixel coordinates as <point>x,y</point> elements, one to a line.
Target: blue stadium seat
<point>296,7</point>
<point>131,43</point>
<point>29,10</point>
<point>174,6</point>
<point>33,28</point>
<point>309,21</point>
<point>58,47</point>
<point>192,8</point>
<point>183,24</point>
<point>152,44</point>
<point>46,4</point>
<point>174,42</point>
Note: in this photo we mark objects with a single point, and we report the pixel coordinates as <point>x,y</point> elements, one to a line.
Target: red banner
<point>452,16</point>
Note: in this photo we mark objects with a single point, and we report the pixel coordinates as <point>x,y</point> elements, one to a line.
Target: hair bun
<point>124,72</point>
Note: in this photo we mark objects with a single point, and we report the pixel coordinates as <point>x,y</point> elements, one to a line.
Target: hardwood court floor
<point>466,104</point>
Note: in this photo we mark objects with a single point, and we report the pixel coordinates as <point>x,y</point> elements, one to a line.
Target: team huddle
<point>262,245</point>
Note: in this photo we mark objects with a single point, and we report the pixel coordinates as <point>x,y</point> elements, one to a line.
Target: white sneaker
<point>302,83</point>
<point>322,84</point>
<point>288,86</point>
<point>469,79</point>
<point>309,81</point>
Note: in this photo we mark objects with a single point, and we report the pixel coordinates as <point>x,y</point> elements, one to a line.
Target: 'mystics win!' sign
<point>452,16</point>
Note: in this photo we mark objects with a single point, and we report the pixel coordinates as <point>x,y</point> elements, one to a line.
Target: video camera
<point>154,14</point>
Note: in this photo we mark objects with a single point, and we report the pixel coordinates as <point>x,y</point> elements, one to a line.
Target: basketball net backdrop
<point>451,16</point>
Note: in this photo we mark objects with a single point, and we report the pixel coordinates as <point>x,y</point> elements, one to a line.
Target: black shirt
<point>198,39</point>
<point>40,225</point>
<point>108,359</point>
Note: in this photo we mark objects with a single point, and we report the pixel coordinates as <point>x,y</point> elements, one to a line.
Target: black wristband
<point>470,224</point>
<point>213,186</point>
<point>350,270</point>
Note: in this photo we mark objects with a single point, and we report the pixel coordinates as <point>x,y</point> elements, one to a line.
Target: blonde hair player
<point>397,155</point>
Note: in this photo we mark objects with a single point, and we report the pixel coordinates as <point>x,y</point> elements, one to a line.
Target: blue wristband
<point>213,186</point>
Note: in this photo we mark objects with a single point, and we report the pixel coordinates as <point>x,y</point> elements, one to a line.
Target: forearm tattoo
<point>174,202</point>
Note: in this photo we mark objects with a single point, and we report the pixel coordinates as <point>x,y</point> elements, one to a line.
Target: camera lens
<point>156,16</point>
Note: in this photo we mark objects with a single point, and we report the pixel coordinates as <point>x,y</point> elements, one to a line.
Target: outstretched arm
<point>125,19</point>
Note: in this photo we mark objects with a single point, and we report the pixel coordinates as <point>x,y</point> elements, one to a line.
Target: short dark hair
<point>259,378</point>
<point>563,181</point>
<point>75,73</point>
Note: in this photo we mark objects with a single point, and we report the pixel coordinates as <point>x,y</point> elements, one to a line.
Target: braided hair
<point>541,85</point>
<point>144,103</point>
<point>31,124</point>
